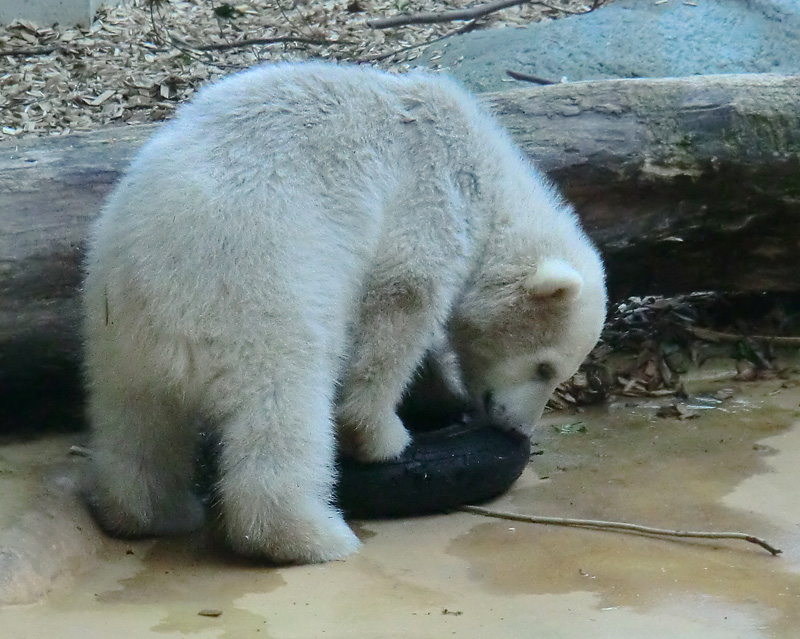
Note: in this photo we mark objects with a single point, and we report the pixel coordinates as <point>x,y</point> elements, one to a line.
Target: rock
<point>629,39</point>
<point>52,542</point>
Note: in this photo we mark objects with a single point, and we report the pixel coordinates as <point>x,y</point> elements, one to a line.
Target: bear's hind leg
<point>143,452</point>
<point>277,464</point>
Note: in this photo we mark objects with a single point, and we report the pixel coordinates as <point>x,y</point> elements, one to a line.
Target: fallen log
<point>686,184</point>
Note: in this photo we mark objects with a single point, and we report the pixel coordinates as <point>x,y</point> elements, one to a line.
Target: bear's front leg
<point>397,325</point>
<point>277,468</point>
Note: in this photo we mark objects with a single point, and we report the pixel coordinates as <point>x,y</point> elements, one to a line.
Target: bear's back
<point>292,174</point>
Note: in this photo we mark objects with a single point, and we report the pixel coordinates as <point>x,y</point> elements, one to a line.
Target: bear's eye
<point>546,372</point>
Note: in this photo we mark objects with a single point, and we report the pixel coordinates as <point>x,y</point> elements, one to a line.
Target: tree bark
<point>50,190</point>
<point>685,184</point>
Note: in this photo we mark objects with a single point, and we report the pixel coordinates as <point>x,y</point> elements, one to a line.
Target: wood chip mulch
<point>139,60</point>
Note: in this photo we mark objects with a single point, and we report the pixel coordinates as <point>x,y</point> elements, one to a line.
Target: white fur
<point>279,258</point>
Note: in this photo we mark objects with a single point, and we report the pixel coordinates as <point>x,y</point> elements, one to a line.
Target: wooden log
<point>50,190</point>
<point>685,184</point>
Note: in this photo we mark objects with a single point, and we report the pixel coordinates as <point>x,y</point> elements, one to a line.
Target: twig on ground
<point>29,52</point>
<point>718,336</point>
<point>224,46</point>
<point>527,77</point>
<point>187,47</point>
<point>191,52</point>
<point>291,22</point>
<point>382,56</point>
<point>615,525</point>
<point>155,6</point>
<point>458,14</point>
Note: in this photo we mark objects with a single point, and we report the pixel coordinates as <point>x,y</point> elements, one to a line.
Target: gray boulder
<point>629,39</point>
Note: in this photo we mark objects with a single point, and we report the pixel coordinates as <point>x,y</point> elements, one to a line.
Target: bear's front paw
<point>383,440</point>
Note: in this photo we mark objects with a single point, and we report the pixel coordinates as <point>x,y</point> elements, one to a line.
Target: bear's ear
<point>554,278</point>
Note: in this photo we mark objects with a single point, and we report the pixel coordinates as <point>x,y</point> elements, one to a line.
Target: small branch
<point>189,48</point>
<point>382,56</point>
<point>153,8</point>
<point>458,14</point>
<point>732,338</point>
<point>615,525</point>
<point>224,46</point>
<point>28,52</point>
<point>526,77</point>
<point>289,20</point>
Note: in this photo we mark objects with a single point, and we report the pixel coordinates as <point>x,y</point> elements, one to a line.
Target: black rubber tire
<point>454,459</point>
<point>439,471</point>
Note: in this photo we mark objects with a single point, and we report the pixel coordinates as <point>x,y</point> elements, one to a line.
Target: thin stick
<point>527,77</point>
<point>458,14</point>
<point>616,525</point>
<point>223,46</point>
<point>289,20</point>
<point>28,52</point>
<point>382,56</point>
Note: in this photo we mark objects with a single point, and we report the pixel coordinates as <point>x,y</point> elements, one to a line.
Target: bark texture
<point>686,184</point>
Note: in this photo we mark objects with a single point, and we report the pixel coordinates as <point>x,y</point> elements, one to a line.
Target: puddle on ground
<point>734,467</point>
<point>719,471</point>
<point>196,582</point>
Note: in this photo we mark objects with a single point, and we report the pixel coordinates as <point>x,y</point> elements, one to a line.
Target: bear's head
<point>519,333</point>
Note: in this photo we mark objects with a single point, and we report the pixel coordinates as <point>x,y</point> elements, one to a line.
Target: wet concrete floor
<point>735,466</point>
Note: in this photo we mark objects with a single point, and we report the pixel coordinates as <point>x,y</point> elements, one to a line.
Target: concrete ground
<point>733,467</point>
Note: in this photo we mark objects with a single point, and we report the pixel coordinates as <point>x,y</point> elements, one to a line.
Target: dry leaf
<point>677,409</point>
<point>100,98</point>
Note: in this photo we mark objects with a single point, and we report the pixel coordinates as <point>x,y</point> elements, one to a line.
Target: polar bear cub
<point>277,262</point>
